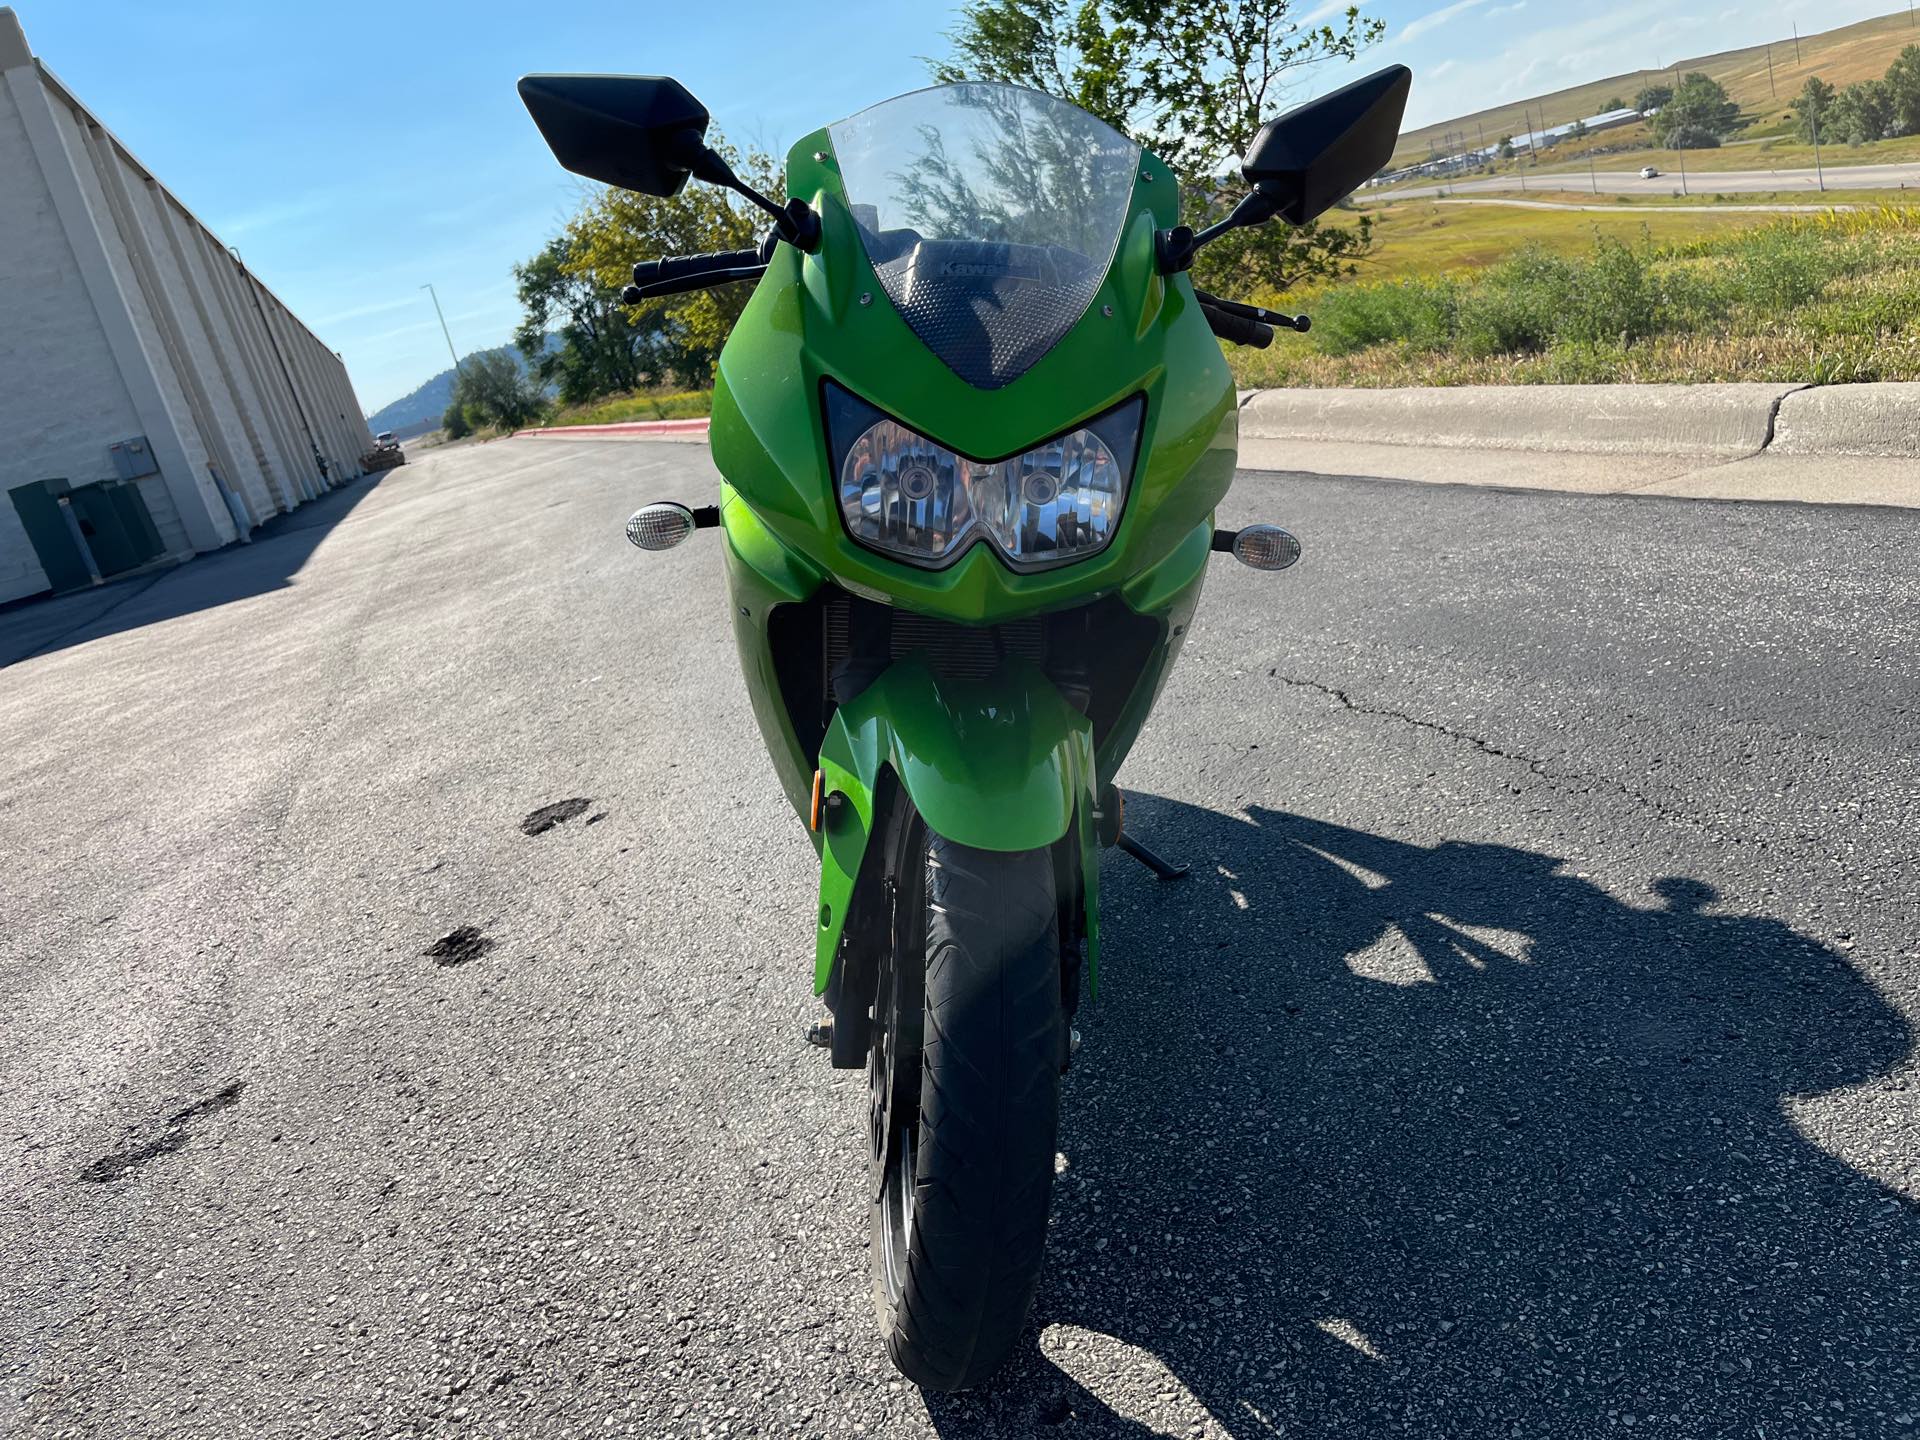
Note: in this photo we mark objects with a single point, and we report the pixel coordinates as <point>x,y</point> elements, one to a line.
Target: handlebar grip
<point>681,284</point>
<point>1236,330</point>
<point>671,267</point>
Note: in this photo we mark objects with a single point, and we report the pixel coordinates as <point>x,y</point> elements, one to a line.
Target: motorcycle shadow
<point>1375,1138</point>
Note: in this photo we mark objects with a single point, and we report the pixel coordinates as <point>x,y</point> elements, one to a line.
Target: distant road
<point>1658,210</point>
<point>1713,182</point>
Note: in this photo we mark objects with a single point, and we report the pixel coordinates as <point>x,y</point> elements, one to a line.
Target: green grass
<point>1420,237</point>
<point>1817,299</point>
<point>640,405</point>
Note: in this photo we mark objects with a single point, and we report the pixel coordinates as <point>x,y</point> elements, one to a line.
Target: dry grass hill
<point>1854,52</point>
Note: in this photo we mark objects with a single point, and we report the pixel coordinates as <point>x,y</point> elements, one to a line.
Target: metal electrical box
<point>133,458</point>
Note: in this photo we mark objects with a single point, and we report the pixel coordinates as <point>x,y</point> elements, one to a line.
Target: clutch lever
<point>1301,323</point>
<point>698,280</point>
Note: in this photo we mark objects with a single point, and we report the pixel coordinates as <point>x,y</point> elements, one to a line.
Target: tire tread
<point>989,1110</point>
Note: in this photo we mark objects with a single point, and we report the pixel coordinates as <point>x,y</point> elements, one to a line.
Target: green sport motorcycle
<point>973,424</point>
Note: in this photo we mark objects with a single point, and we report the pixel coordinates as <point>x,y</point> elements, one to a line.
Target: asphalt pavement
<point>1530,1054</point>
<point>1668,182</point>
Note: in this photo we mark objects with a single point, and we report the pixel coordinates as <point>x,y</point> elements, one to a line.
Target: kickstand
<point>1153,862</point>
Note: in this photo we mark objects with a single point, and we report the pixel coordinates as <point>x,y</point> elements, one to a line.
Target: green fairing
<point>805,324</point>
<point>1003,763</point>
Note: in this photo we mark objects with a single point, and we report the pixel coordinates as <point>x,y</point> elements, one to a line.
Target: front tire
<point>965,1076</point>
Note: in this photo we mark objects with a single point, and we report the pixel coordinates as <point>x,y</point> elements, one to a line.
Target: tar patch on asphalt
<point>457,947</point>
<point>558,813</point>
<point>178,1128</point>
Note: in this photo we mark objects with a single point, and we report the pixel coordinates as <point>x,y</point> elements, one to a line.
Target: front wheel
<point>964,1076</point>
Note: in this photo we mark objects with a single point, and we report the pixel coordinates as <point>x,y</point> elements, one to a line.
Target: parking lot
<point>1531,1052</point>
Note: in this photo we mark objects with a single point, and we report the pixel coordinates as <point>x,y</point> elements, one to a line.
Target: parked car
<point>1647,172</point>
<point>385,455</point>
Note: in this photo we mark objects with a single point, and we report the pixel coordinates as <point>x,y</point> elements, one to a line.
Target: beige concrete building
<point>155,398</point>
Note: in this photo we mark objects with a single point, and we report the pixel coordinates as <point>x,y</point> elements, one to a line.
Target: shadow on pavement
<point>1371,1138</point>
<point>278,549</point>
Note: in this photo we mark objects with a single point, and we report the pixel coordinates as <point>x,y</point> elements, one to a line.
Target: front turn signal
<point>1262,547</point>
<point>665,523</point>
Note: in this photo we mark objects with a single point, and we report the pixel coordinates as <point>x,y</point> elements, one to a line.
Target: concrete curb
<point>1877,420</point>
<point>1707,422</point>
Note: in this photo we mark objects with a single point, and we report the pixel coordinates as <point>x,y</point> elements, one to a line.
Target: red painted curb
<point>639,428</point>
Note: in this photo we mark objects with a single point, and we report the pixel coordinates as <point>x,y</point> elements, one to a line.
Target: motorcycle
<point>973,426</point>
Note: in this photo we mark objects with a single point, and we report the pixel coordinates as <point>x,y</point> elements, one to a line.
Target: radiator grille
<point>960,651</point>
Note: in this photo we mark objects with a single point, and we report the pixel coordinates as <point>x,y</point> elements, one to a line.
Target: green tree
<point>1616,103</point>
<point>454,422</point>
<point>614,228</point>
<point>493,387</point>
<point>1652,97</point>
<point>1578,130</point>
<point>1699,115</point>
<point>1506,147</point>
<point>1810,110</point>
<point>1903,92</point>
<point>1192,81</point>
<point>575,334</point>
<point>1861,113</point>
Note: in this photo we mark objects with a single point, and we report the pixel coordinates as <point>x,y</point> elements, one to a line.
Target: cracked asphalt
<point>406,960</point>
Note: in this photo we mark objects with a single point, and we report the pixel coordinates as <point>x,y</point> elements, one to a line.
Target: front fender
<point>1003,763</point>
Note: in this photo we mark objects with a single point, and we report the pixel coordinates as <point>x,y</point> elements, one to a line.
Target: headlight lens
<point>903,494</point>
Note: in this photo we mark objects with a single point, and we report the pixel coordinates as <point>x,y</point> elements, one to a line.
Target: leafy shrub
<point>454,422</point>
<point>1610,296</point>
<point>1416,313</point>
<point>1691,297</point>
<point>1778,268</point>
<point>1692,137</point>
<point>1579,363</point>
<point>1881,313</point>
<point>1515,308</point>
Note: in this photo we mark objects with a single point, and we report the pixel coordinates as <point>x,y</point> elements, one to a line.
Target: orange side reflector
<point>813,821</point>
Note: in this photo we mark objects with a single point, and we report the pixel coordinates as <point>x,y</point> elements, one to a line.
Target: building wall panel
<point>124,316</point>
<point>63,402</point>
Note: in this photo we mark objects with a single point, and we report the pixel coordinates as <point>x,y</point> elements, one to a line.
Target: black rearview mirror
<point>1313,157</point>
<point>639,132</point>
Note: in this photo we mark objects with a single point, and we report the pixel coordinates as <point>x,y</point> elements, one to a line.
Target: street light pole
<point>443,329</point>
<point>1813,119</point>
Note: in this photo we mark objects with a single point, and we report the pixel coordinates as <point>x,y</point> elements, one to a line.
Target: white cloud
<point>1320,14</point>
<point>1434,19</point>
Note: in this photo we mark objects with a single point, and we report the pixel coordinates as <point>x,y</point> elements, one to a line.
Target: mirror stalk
<point>795,221</point>
<point>1177,247</point>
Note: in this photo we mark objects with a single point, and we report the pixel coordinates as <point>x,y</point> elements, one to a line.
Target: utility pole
<point>443,328</point>
<point>1683,168</point>
<point>1593,174</point>
<point>1813,119</point>
<point>1796,42</point>
<point>1770,85</point>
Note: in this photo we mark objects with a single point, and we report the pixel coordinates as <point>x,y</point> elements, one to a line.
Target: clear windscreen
<point>990,214</point>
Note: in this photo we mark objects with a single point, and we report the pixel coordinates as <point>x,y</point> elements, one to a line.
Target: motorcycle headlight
<point>916,500</point>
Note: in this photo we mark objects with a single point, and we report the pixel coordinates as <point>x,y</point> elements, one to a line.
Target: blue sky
<point>354,152</point>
